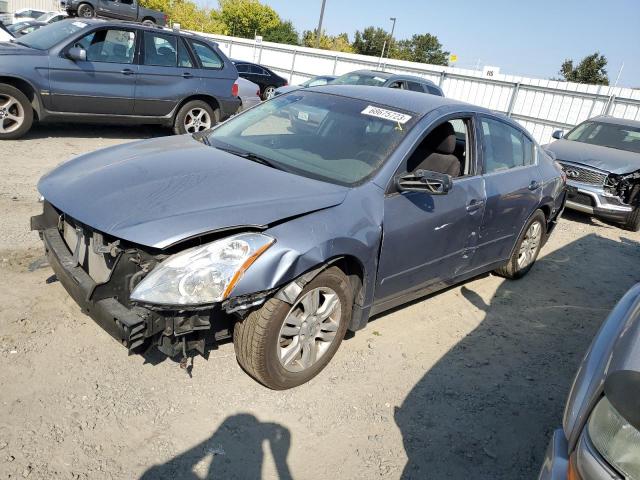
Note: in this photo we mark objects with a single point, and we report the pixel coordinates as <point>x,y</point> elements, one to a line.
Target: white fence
<point>541,106</point>
<point>46,5</point>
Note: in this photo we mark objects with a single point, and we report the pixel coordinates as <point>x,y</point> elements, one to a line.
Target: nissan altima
<point>284,238</point>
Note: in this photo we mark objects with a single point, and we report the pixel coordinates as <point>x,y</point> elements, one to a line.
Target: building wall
<point>46,5</point>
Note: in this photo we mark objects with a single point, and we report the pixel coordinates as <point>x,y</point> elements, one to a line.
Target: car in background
<point>88,70</point>
<point>312,82</point>
<point>51,17</point>
<point>5,34</point>
<point>115,9</point>
<point>20,14</point>
<point>601,158</point>
<point>276,239</point>
<point>600,434</point>
<point>19,29</point>
<point>265,78</point>
<point>249,94</point>
<point>376,78</point>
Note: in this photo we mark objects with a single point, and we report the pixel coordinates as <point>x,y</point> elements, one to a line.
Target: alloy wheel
<point>309,329</point>
<point>196,120</point>
<point>529,245</point>
<point>11,114</point>
<point>269,92</point>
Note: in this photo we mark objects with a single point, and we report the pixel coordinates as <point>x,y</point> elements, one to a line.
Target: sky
<point>522,37</point>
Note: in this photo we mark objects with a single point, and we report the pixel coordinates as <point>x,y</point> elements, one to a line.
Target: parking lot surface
<point>468,383</point>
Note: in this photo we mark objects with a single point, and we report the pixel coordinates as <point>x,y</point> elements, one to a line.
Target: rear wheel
<point>527,248</point>
<point>633,220</point>
<point>86,11</point>
<point>269,92</point>
<point>16,113</point>
<point>195,116</point>
<point>283,346</point>
<point>148,22</point>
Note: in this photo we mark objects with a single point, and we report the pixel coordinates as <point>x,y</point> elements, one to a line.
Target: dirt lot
<point>465,384</point>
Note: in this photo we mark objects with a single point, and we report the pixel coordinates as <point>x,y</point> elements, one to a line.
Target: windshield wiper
<point>254,157</point>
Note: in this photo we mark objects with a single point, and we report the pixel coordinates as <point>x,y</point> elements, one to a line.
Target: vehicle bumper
<point>593,200</point>
<point>249,102</point>
<point>556,460</point>
<point>228,107</point>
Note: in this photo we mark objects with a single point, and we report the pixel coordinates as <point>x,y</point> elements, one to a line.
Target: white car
<point>5,36</point>
<point>23,14</point>
<point>50,17</point>
<point>249,93</point>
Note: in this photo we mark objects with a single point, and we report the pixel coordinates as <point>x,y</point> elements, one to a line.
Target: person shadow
<point>236,452</point>
<point>487,408</point>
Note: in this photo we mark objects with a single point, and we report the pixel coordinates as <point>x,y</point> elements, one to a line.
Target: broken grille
<point>583,175</point>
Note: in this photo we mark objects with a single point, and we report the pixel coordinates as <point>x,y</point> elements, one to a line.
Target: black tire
<point>22,110</point>
<point>511,269</point>
<point>266,92</point>
<point>256,338</point>
<point>85,11</point>
<point>633,220</point>
<point>179,127</point>
<point>150,22</point>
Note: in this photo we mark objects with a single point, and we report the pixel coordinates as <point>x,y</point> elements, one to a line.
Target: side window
<point>208,58</point>
<point>318,82</point>
<point>504,146</point>
<point>160,49</point>
<point>184,59</point>
<point>415,86</point>
<point>397,84</point>
<point>529,158</point>
<point>126,2</point>
<point>242,68</point>
<point>109,46</point>
<point>257,70</point>
<point>434,91</point>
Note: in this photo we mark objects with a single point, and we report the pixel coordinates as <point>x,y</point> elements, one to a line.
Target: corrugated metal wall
<point>46,5</point>
<point>542,106</point>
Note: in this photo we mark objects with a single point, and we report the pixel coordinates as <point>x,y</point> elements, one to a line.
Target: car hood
<point>162,191</point>
<point>604,158</point>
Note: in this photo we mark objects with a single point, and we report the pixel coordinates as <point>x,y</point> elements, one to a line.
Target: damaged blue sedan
<point>295,221</point>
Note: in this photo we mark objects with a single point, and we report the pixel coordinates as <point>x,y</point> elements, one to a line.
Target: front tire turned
<point>527,248</point>
<point>283,346</point>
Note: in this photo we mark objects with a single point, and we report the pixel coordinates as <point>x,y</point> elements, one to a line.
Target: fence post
<point>595,99</point>
<point>512,101</point>
<point>335,64</point>
<point>260,54</point>
<point>293,62</point>
<point>441,81</point>
<point>230,47</point>
<point>610,103</point>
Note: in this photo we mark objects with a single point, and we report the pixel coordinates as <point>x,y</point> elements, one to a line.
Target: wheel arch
<point>212,101</point>
<point>28,89</point>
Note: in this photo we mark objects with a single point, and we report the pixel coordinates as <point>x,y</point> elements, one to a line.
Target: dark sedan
<point>283,240</point>
<point>601,158</point>
<point>266,79</point>
<point>20,29</point>
<point>108,71</point>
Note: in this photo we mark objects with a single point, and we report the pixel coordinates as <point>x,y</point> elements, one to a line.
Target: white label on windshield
<point>386,114</point>
<point>379,79</point>
<point>79,24</point>
<point>304,116</point>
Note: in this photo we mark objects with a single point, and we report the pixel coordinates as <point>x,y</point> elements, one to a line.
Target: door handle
<point>474,205</point>
<point>187,75</point>
<point>534,185</point>
<point>127,71</point>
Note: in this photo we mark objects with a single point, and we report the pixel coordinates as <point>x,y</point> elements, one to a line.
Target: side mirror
<point>425,181</point>
<point>557,134</point>
<point>77,54</point>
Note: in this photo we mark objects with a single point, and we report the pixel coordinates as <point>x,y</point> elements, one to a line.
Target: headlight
<point>616,440</point>
<point>204,274</point>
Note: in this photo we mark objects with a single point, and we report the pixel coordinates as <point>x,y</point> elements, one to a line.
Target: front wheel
<point>633,220</point>
<point>86,11</point>
<point>269,92</point>
<point>283,346</point>
<point>16,113</point>
<point>527,248</point>
<point>194,116</point>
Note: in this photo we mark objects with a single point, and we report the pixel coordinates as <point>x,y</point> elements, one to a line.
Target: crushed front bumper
<point>592,199</point>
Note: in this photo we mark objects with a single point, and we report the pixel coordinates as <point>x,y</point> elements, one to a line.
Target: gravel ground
<point>468,383</point>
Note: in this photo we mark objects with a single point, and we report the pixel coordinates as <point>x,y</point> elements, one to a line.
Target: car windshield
<point>14,27</point>
<point>327,137</point>
<point>621,137</point>
<point>46,37</point>
<point>356,78</point>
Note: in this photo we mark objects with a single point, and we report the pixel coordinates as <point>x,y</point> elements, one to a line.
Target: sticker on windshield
<point>304,116</point>
<point>386,114</point>
<point>79,24</point>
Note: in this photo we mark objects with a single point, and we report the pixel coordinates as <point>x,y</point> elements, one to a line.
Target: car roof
<point>408,100</point>
<point>616,121</point>
<point>373,73</point>
<point>119,23</point>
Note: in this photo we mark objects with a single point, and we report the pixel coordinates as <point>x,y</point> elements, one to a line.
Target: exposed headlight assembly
<point>202,275</point>
<point>616,440</point>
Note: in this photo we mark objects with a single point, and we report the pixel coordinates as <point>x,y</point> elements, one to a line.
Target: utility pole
<point>319,30</point>
<point>393,27</point>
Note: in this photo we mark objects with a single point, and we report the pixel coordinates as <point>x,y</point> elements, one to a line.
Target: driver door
<point>429,239</point>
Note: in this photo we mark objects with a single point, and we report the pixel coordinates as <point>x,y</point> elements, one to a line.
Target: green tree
<point>246,18</point>
<point>370,41</point>
<point>590,70</point>
<point>338,43</point>
<point>425,48</point>
<point>283,33</point>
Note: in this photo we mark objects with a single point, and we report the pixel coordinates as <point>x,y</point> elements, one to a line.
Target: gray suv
<point>120,9</point>
<point>106,71</point>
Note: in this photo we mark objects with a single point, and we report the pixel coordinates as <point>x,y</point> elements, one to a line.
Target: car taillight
<point>258,93</point>
<point>234,89</point>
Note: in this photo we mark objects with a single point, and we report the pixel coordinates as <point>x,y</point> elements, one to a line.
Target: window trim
<point>199,64</point>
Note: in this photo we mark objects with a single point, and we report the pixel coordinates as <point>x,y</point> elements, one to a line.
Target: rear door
<point>167,74</point>
<point>105,83</point>
<point>513,187</point>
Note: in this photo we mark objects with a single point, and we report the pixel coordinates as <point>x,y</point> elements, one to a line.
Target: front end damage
<point>100,272</point>
<point>625,187</point>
